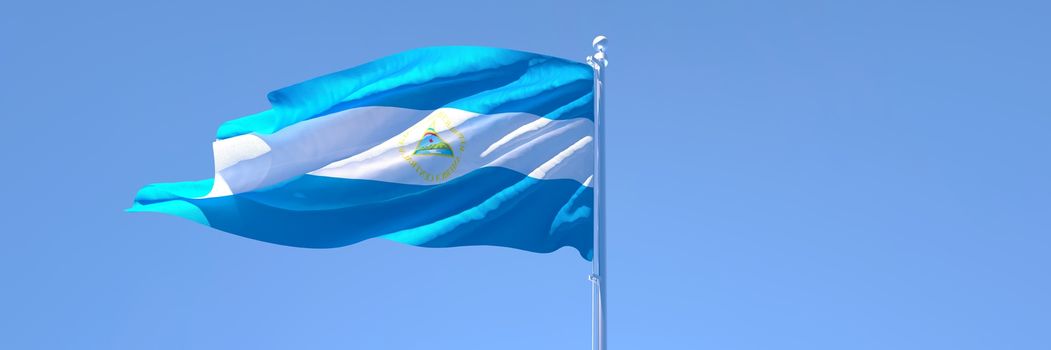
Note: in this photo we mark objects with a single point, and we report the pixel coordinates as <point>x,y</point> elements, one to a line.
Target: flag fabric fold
<point>434,147</point>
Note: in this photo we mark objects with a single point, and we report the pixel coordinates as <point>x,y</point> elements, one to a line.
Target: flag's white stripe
<point>560,158</point>
<point>230,151</point>
<point>532,126</point>
<point>372,143</point>
<point>486,144</point>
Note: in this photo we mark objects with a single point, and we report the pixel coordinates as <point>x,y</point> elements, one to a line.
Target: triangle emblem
<point>432,145</point>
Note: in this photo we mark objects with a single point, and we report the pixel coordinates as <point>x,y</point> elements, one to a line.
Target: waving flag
<point>434,147</point>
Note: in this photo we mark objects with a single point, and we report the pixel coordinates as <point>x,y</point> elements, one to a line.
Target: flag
<point>433,147</point>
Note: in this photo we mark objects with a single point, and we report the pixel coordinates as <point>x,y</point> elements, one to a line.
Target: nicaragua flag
<point>434,147</point>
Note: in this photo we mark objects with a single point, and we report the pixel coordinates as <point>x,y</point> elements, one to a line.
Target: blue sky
<point>782,175</point>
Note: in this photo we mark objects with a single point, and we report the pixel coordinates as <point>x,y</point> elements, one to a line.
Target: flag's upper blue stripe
<point>477,79</point>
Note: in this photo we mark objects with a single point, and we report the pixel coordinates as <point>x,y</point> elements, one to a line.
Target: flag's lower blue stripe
<point>490,206</point>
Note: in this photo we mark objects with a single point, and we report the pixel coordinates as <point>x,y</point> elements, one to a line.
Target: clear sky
<point>782,175</point>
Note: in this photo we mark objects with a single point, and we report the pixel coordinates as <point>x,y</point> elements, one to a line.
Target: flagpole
<point>598,278</point>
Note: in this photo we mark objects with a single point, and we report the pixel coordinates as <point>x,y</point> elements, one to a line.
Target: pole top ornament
<point>599,43</point>
<point>598,59</point>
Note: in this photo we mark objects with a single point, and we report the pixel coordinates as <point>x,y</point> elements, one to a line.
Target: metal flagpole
<point>598,62</point>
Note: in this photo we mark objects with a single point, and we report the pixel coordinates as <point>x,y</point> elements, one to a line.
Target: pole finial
<point>599,43</point>
<point>598,59</point>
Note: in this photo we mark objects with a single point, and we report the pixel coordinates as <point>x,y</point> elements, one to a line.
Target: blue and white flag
<point>434,147</point>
